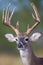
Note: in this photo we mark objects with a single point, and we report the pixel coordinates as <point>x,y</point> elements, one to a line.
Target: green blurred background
<point>23,14</point>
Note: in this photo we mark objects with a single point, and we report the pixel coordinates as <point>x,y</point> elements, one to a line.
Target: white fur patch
<point>25,61</point>
<point>24,55</point>
<point>24,52</point>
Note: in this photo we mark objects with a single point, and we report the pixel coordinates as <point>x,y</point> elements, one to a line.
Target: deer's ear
<point>10,37</point>
<point>35,36</point>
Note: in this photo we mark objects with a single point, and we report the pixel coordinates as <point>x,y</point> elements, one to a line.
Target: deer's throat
<point>25,56</point>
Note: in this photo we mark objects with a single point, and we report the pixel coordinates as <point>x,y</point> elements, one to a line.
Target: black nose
<point>20,45</point>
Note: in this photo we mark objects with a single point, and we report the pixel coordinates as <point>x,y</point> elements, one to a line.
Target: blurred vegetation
<point>24,16</point>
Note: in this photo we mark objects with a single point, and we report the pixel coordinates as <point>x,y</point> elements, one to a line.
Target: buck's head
<point>22,39</point>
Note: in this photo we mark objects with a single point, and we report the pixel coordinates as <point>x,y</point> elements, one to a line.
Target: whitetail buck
<point>26,52</point>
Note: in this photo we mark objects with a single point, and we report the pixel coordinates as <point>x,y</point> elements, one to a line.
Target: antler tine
<point>7,19</point>
<point>36,12</point>
<point>3,16</point>
<point>7,12</point>
<point>17,25</point>
<point>36,18</point>
<point>12,14</point>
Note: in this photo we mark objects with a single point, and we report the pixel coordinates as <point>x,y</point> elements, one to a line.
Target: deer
<point>23,39</point>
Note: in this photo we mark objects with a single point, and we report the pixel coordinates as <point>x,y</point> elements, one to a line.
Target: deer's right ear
<point>10,37</point>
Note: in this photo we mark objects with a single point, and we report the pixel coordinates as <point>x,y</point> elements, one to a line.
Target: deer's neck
<point>27,56</point>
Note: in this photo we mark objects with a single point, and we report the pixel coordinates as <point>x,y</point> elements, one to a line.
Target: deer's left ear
<point>35,36</point>
<point>10,37</point>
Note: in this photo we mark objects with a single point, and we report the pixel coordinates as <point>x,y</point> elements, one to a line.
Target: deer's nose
<point>19,45</point>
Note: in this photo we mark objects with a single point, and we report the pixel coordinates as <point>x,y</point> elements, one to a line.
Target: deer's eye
<point>16,39</point>
<point>26,39</point>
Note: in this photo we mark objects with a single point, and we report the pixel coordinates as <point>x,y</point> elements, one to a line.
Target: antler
<point>36,18</point>
<point>6,20</point>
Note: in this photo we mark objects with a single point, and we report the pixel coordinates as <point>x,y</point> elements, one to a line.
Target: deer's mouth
<point>20,45</point>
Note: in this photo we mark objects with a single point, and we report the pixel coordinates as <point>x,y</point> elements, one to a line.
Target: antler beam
<point>36,18</point>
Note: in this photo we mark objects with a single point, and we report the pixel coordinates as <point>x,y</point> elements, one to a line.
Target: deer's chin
<point>20,48</point>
